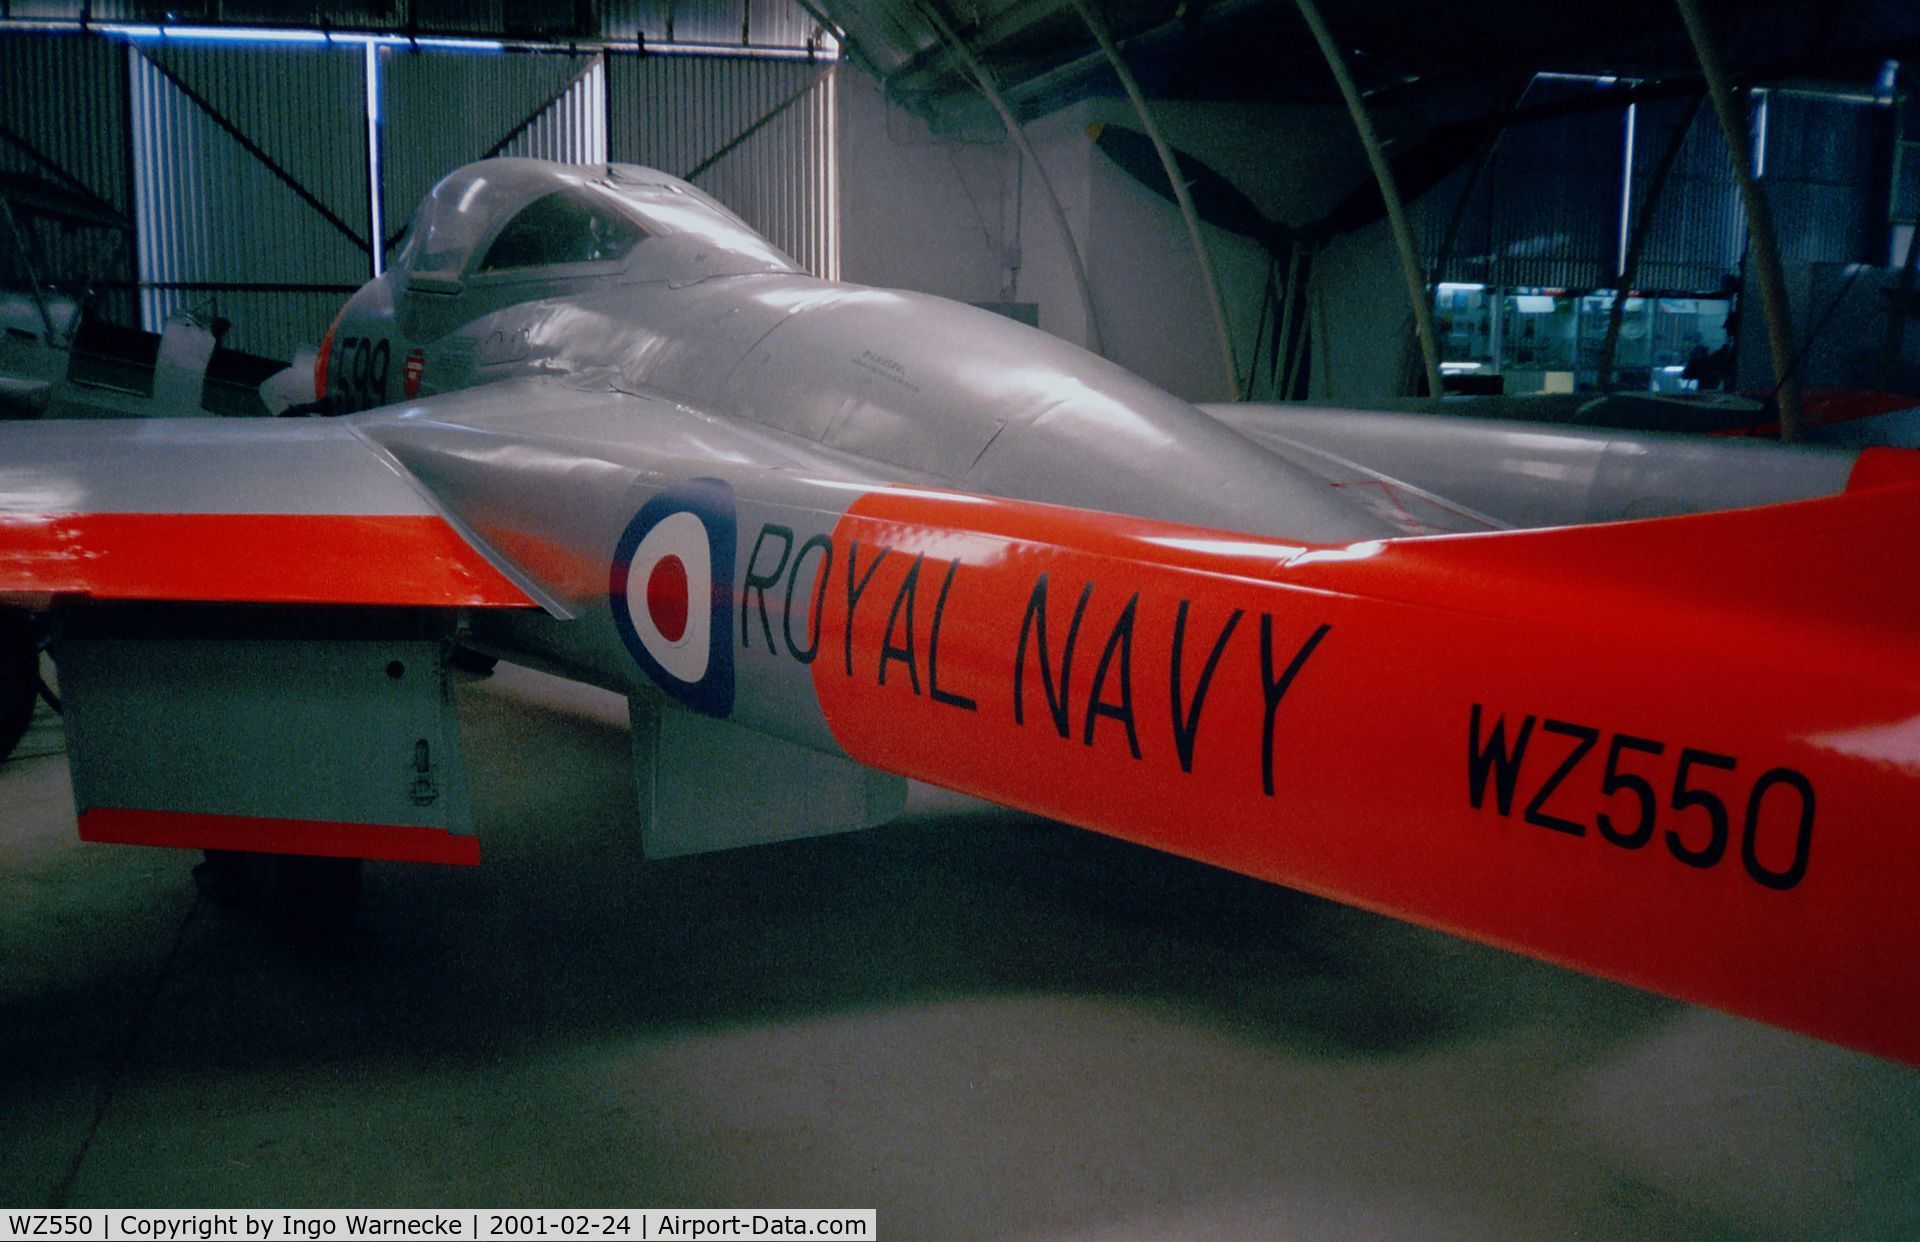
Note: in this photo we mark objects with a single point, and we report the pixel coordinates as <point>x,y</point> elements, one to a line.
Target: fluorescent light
<point>734,50</point>
<point>1597,79</point>
<point>214,34</point>
<point>454,45</point>
<point>377,225</point>
<point>826,52</point>
<point>1626,192</point>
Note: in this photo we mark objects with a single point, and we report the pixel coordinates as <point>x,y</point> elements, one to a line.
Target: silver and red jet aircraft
<point>1518,684</point>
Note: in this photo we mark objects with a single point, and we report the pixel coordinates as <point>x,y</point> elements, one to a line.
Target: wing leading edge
<point>227,511</point>
<point>198,718</point>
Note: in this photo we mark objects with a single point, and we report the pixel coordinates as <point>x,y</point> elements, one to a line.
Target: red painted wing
<point>1681,753</point>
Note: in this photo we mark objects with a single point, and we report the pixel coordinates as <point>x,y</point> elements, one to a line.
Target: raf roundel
<point>667,602</point>
<point>670,591</point>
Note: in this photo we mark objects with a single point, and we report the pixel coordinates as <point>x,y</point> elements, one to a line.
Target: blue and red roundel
<point>671,590</point>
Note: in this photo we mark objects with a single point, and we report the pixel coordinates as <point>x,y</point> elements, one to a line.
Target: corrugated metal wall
<point>763,24</point>
<point>442,109</point>
<point>66,121</point>
<point>1698,232</point>
<point>758,135</point>
<point>573,128</point>
<point>340,13</point>
<point>1470,257</point>
<point>473,16</point>
<point>757,23</point>
<point>245,164</point>
<point>212,212</point>
<point>1546,209</point>
<point>781,23</point>
<point>1826,169</point>
<point>1555,190</point>
<point>1904,192</point>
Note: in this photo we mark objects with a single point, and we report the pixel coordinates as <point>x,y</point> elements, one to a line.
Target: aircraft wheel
<point>19,676</point>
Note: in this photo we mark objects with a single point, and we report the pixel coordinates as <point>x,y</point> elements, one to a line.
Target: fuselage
<point>900,386</point>
<point>535,291</point>
<point>811,528</point>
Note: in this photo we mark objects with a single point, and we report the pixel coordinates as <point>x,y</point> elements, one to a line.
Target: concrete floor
<point>982,1024</point>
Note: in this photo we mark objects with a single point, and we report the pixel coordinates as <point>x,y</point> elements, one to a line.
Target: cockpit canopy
<point>567,226</point>
<point>503,217</point>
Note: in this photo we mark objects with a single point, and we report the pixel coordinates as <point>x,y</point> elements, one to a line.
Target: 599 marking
<point>357,374</point>
<point>1696,820</point>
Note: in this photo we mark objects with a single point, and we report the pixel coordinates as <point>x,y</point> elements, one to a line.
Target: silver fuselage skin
<point>899,387</point>
<point>802,390</point>
<point>737,358</point>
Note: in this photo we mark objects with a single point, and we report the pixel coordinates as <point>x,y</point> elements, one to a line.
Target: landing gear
<point>303,898</point>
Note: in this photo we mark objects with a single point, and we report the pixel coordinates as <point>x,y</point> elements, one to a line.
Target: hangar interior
<point>983,1022</point>
<point>1535,148</point>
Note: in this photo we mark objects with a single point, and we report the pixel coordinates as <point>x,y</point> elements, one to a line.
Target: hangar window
<point>559,228</point>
